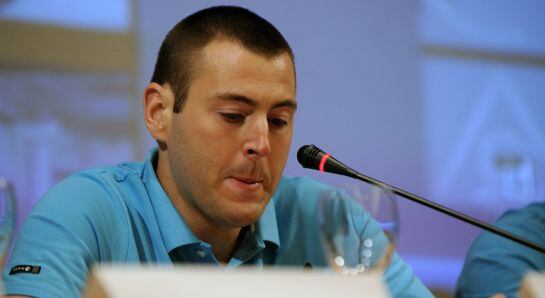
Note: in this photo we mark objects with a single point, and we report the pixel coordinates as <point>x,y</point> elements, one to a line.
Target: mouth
<point>246,184</point>
<point>248,180</point>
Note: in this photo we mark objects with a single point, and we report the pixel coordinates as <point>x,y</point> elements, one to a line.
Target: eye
<point>233,117</point>
<point>277,122</point>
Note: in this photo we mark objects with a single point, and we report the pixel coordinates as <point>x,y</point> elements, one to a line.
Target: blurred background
<point>444,99</point>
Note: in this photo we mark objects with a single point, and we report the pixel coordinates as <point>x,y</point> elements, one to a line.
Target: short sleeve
<point>65,234</point>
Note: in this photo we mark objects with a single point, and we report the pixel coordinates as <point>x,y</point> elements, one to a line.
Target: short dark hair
<point>193,33</point>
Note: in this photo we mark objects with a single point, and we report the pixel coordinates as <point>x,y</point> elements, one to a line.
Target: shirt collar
<point>174,230</point>
<point>267,227</point>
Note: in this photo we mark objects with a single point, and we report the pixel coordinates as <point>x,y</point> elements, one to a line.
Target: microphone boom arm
<point>313,157</point>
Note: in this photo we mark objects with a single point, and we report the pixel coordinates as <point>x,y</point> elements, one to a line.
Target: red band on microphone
<point>322,162</point>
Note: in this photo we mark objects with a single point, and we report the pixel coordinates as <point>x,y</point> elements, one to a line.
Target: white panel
<point>191,281</point>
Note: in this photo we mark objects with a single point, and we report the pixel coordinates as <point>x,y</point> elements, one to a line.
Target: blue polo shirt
<point>122,215</point>
<point>497,265</point>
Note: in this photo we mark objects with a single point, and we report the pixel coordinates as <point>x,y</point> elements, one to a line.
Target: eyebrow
<point>289,103</point>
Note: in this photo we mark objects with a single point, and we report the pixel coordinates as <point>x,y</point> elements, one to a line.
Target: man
<point>220,105</point>
<point>496,266</point>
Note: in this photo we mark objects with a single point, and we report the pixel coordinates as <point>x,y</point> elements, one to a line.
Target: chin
<point>242,218</point>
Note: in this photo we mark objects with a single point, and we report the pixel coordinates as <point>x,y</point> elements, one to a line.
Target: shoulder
<point>296,203</point>
<point>298,193</point>
<point>528,222</point>
<point>300,188</point>
<point>90,205</point>
<point>79,221</point>
<point>531,214</point>
<point>491,253</point>
<point>89,187</point>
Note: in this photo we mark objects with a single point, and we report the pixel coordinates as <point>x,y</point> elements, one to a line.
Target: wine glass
<point>358,227</point>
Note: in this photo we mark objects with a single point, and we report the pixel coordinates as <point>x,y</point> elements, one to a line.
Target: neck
<point>224,240</point>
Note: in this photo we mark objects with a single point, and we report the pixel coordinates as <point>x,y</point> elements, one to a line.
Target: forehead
<point>223,59</point>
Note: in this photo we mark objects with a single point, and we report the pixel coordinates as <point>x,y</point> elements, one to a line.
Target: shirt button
<point>200,253</point>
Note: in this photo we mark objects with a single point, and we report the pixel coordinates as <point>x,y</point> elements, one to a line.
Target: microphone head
<point>309,156</point>
<point>312,157</point>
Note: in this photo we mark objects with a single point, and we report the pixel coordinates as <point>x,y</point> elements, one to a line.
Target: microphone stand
<point>311,156</point>
<point>451,212</point>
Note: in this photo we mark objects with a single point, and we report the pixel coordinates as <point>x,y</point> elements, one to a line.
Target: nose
<point>257,143</point>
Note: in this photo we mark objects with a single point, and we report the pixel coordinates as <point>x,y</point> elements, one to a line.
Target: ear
<point>158,103</point>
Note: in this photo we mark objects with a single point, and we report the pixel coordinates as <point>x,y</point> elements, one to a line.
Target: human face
<point>229,144</point>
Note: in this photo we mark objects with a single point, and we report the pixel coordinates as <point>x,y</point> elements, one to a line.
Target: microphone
<point>312,157</point>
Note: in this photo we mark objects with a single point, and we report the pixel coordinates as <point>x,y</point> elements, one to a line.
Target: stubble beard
<point>204,201</point>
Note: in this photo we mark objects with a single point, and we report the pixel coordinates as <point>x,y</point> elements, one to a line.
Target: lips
<point>245,185</point>
<point>249,180</point>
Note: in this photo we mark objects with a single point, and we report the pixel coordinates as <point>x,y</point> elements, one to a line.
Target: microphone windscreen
<point>309,156</point>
